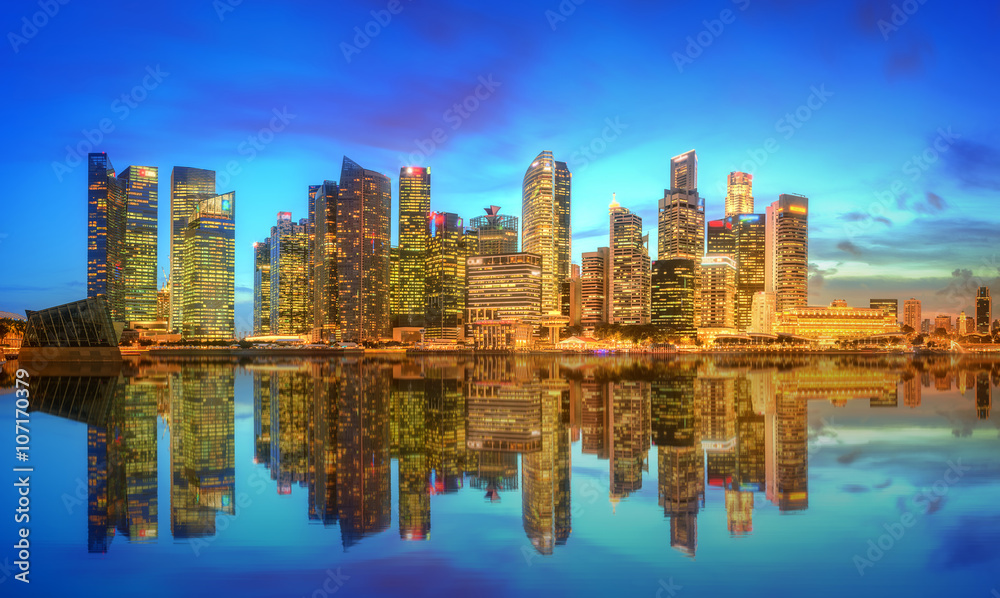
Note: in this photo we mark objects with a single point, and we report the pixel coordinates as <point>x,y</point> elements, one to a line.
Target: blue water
<point>563,475</point>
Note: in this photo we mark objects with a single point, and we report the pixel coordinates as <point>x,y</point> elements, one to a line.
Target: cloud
<point>934,203</point>
<point>850,248</point>
<point>974,164</point>
<point>818,276</point>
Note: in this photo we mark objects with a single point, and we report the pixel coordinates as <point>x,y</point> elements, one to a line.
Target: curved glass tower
<point>545,214</point>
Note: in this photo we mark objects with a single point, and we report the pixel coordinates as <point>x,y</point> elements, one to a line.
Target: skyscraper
<point>720,238</point>
<point>496,233</point>
<point>984,310</point>
<point>363,212</point>
<point>262,287</point>
<point>188,187</point>
<point>911,314</point>
<point>326,319</point>
<point>629,267</point>
<point>787,241</point>
<point>444,280</point>
<point>291,302</point>
<point>207,273</point>
<point>739,194</point>
<point>106,218</point>
<point>596,287</point>
<point>510,284</point>
<point>572,296</point>
<point>414,234</point>
<point>545,208</point>
<point>718,292</point>
<point>749,233</point>
<point>682,218</point>
<point>138,258</point>
<point>672,294</point>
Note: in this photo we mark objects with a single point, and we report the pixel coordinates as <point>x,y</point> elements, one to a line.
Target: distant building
<point>739,194</point>
<point>719,239</point>
<point>984,310</point>
<point>889,306</point>
<point>943,321</point>
<point>835,322</point>
<point>495,233</point>
<point>262,287</point>
<point>911,315</point>
<point>629,267</point>
<point>596,286</point>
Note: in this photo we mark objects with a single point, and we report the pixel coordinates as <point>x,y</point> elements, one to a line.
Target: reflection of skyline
<point>732,428</point>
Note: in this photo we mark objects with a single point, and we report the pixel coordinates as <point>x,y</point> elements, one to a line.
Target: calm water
<point>500,476</point>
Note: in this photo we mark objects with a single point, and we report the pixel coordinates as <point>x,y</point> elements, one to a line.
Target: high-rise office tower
<point>106,221</point>
<point>572,296</point>
<point>326,318</point>
<point>672,285</point>
<point>363,226</point>
<point>207,274</point>
<point>629,267</point>
<point>750,254</point>
<point>911,314</point>
<point>510,284</point>
<point>291,302</point>
<point>984,310</point>
<point>545,209</point>
<point>496,233</point>
<point>787,240</point>
<point>262,286</point>
<point>414,234</point>
<point>718,292</point>
<point>889,306</point>
<point>681,225</point>
<point>394,298</point>
<point>444,280</point>
<point>596,287</point>
<point>720,238</point>
<point>739,194</point>
<point>188,187</point>
<point>139,253</point>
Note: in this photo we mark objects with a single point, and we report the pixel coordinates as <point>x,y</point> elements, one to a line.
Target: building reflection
<point>733,429</point>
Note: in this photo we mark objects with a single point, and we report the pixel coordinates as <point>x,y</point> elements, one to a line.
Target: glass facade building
<point>495,232</point>
<point>209,250</point>
<point>673,296</point>
<point>750,253</point>
<point>787,241</point>
<point>545,210</point>
<point>262,287</point>
<point>106,220</point>
<point>445,277</point>
<point>596,286</point>
<point>510,284</point>
<point>629,267</point>
<point>291,300</point>
<point>326,316</point>
<point>188,187</point>
<point>85,323</point>
<point>414,236</point>
<point>139,266</point>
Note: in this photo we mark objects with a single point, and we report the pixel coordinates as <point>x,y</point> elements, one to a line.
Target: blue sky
<point>893,133</point>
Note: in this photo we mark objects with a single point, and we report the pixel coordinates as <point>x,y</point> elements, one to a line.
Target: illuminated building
<point>188,187</point>
<point>838,303</point>
<point>718,292</point>
<point>504,417</point>
<point>673,284</point>
<point>394,289</point>
<point>965,324</point>
<point>325,317</point>
<point>163,303</point>
<point>889,306</point>
<point>291,301</point>
<point>137,449</point>
<point>750,254</point>
<point>363,211</point>
<point>925,326</point>
<point>720,238</point>
<point>786,437</point>
<point>495,232</point>
<point>545,210</point>
<point>911,314</point>
<point>835,322</point>
<point>414,236</point>
<point>106,217</point>
<point>138,259</point>
<point>594,401</point>
<point>572,296</point>
<point>984,310</point>
<point>510,285</point>
<point>943,322</point>
<point>630,277</point>
<point>445,277</point>
<point>208,270</point>
<point>202,449</point>
<point>681,226</point>
<point>290,412</point>
<point>787,251</point>
<point>629,431</point>
<point>596,287</point>
<point>262,287</point>
<point>762,315</point>
<point>739,194</point>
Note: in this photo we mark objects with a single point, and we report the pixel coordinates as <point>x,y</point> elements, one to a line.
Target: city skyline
<point>789,133</point>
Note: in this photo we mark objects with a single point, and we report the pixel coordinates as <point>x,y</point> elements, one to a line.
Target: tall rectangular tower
<point>629,268</point>
<point>414,233</point>
<point>291,302</point>
<point>207,272</point>
<point>545,210</point>
<point>596,286</point>
<point>326,319</point>
<point>139,255</point>
<point>787,240</point>
<point>188,187</point>
<point>106,220</point>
